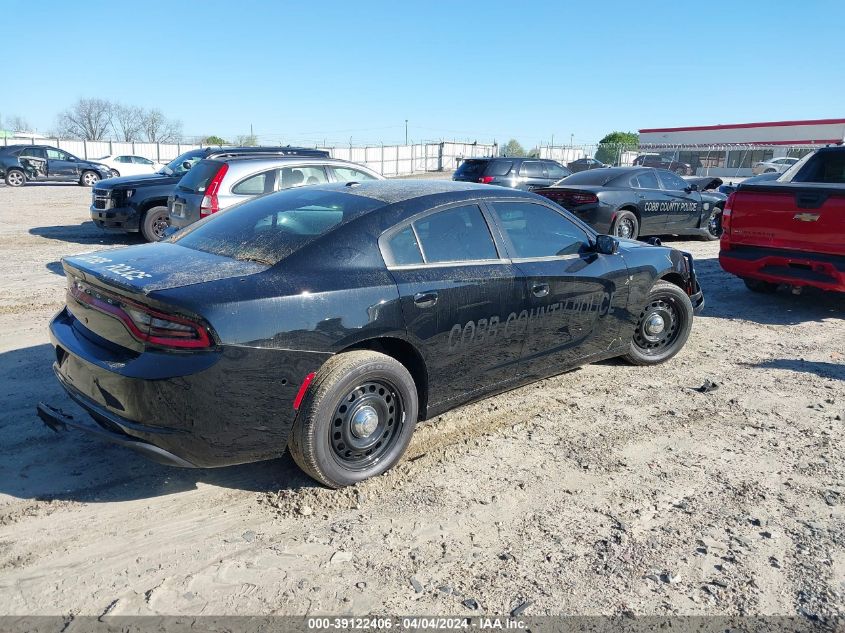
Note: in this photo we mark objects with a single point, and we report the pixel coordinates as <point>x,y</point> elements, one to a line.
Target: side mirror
<point>186,164</point>
<point>691,187</point>
<point>607,245</point>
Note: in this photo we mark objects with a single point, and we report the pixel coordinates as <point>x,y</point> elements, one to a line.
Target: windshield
<point>269,228</point>
<point>176,167</point>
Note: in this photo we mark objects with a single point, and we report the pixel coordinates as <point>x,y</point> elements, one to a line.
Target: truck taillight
<point>727,212</point>
<point>210,204</point>
<point>144,323</point>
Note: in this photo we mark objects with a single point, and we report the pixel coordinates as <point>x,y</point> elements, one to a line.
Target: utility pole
<point>571,140</point>
<point>406,131</point>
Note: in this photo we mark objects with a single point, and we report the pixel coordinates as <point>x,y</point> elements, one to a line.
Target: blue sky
<point>308,71</point>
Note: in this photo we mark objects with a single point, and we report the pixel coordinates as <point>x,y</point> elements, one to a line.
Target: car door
<point>577,298</point>
<point>61,165</point>
<point>34,162</point>
<point>532,175</point>
<point>652,202</point>
<point>683,209</point>
<point>463,302</point>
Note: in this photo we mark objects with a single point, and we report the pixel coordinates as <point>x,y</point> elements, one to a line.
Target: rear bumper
<point>793,268</point>
<point>206,409</point>
<point>116,219</point>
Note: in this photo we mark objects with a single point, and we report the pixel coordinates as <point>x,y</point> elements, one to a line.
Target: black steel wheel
<point>356,419</point>
<point>663,325</point>
<point>154,223</point>
<point>626,226</point>
<point>714,224</point>
<point>365,424</point>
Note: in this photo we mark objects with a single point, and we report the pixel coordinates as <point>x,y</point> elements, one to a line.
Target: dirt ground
<point>608,490</point>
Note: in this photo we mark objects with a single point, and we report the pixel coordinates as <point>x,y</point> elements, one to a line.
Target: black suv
<point>516,173</point>
<point>139,203</point>
<point>22,163</point>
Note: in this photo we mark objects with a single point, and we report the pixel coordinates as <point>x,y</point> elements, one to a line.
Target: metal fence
<point>734,160</point>
<point>389,160</point>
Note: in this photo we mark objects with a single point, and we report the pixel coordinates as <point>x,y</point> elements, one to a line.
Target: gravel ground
<point>608,490</point>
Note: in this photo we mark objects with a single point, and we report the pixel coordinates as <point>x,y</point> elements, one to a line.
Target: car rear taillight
<point>210,204</point>
<point>572,198</point>
<point>144,323</point>
<point>486,180</point>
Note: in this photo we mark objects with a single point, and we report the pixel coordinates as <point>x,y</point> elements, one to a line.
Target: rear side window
<point>404,248</point>
<point>538,231</point>
<point>197,179</point>
<point>265,182</point>
<point>455,235</point>
<point>645,180</point>
<point>499,168</point>
<point>532,169</point>
<point>269,228</point>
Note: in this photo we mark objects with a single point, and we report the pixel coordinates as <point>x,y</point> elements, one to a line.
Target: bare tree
<point>127,122</point>
<point>87,119</point>
<point>17,123</point>
<point>159,129</point>
<point>246,140</point>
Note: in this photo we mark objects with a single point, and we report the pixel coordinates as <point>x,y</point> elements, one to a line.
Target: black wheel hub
<point>659,325</point>
<point>160,225</point>
<point>625,228</point>
<point>366,424</point>
<point>714,225</point>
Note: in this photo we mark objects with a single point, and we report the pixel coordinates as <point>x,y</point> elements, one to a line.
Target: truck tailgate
<point>806,217</point>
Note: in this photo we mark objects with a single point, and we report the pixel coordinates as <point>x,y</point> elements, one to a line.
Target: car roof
<point>276,160</point>
<point>401,190</point>
<point>286,150</point>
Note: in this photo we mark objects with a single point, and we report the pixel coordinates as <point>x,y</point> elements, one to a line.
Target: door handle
<point>540,290</point>
<point>425,299</point>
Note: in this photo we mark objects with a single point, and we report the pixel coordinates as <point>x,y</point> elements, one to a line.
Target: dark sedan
<point>634,202</point>
<point>20,164</point>
<point>331,319</point>
<point>584,164</point>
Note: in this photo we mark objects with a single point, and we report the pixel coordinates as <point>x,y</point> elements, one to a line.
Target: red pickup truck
<point>790,231</point>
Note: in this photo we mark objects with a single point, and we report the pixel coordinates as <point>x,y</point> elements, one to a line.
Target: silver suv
<point>216,184</point>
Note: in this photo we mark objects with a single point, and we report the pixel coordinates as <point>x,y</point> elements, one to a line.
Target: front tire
<point>626,225</point>
<point>714,225</point>
<point>115,173</point>
<point>15,178</point>
<point>663,327</point>
<point>356,420</point>
<point>154,223</point>
<point>89,178</point>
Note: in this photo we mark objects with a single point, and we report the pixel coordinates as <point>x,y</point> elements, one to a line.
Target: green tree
<point>614,143</point>
<point>246,140</point>
<point>513,148</point>
<point>213,140</point>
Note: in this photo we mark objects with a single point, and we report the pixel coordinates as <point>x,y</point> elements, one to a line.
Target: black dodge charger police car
<point>330,319</point>
<point>639,201</point>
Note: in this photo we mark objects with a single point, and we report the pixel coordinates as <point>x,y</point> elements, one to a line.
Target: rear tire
<point>663,327</point>
<point>626,225</point>
<point>154,223</point>
<point>15,178</point>
<point>115,173</point>
<point>757,285</point>
<point>356,419</point>
<point>89,178</point>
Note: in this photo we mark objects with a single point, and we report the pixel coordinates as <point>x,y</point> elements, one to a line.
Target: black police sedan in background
<point>633,202</point>
<point>332,318</point>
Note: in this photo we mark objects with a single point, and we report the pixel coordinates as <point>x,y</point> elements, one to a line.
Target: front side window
<point>265,182</point>
<point>57,154</point>
<point>456,234</point>
<point>123,159</point>
<point>348,174</point>
<point>140,160</point>
<point>556,172</point>
<point>672,182</point>
<point>538,231</point>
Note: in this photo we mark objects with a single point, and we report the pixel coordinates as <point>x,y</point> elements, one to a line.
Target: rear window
<point>270,228</point>
<point>589,177</point>
<point>824,167</point>
<point>472,168</point>
<point>197,179</point>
